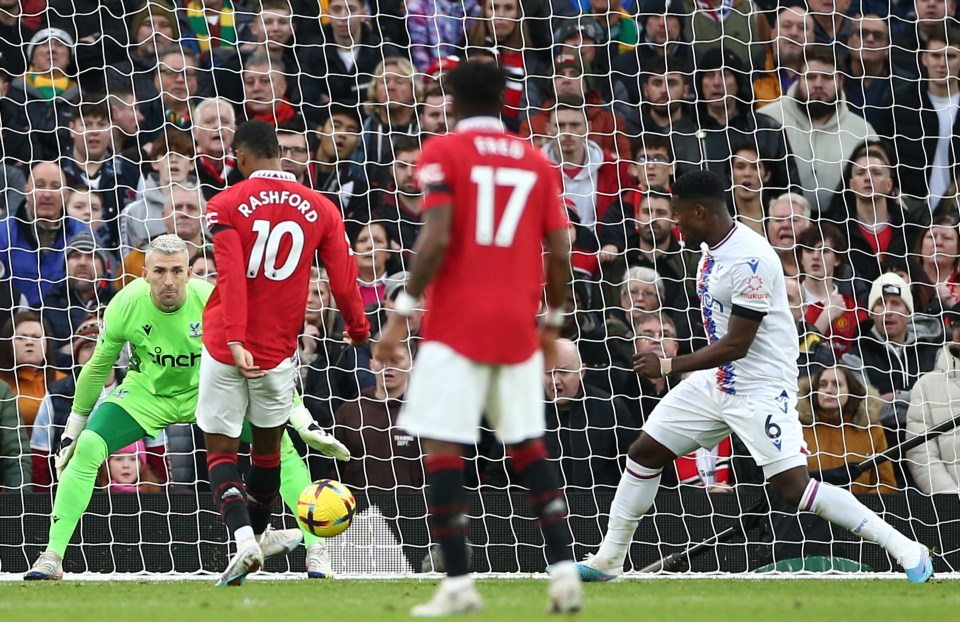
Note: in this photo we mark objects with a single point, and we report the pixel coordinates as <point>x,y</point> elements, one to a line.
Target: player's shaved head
<point>477,88</point>
<point>704,187</point>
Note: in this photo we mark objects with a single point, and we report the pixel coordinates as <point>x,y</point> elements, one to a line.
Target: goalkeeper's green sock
<point>294,477</point>
<point>75,489</point>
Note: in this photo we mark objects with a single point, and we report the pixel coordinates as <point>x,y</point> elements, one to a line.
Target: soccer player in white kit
<point>744,382</point>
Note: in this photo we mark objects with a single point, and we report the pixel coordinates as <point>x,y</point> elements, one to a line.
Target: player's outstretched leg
<point>634,497</point>
<point>294,478</point>
<point>531,465</point>
<point>841,508</point>
<point>448,524</point>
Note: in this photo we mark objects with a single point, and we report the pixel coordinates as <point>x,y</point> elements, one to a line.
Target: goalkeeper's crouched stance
<point>161,317</point>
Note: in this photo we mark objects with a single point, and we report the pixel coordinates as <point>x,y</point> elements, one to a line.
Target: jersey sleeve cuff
<point>748,314</point>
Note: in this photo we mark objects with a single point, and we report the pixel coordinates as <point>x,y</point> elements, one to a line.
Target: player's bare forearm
<point>430,249</point>
<point>557,245</point>
<point>732,347</point>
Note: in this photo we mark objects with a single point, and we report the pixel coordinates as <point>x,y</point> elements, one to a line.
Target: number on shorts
<point>771,428</point>
<point>265,247</point>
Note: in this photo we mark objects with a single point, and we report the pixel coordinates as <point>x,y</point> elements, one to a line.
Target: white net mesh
<point>835,128</point>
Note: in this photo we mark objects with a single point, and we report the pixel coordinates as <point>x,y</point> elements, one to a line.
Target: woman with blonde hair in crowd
<point>840,420</point>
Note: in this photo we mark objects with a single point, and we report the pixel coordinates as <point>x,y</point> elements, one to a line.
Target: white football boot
<point>456,595</point>
<point>278,541</point>
<point>48,567</point>
<point>249,558</point>
<point>318,562</point>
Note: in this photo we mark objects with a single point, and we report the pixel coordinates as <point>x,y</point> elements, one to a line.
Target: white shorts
<point>226,398</point>
<point>697,414</point>
<point>449,393</point>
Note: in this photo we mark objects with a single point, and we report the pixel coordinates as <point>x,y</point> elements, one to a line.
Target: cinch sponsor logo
<point>174,360</point>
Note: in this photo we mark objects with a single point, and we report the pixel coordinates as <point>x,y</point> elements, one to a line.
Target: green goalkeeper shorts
<point>153,413</point>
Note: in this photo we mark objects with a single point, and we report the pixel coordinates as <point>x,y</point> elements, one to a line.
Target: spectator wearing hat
<point>585,37</point>
<point>340,70</point>
<point>16,468</point>
<point>55,407</point>
<point>822,132</point>
<point>898,349</point>
<point>31,246</point>
<point>39,102</point>
<point>592,177</point>
<point>85,292</point>
<point>935,399</point>
<point>726,118</point>
<point>792,31</point>
<point>730,27</point>
<point>607,129</point>
<point>437,28</point>
<point>502,28</point>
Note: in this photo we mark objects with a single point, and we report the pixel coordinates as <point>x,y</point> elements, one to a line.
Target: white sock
<point>243,534</point>
<point>458,583</point>
<point>635,493</point>
<point>841,508</point>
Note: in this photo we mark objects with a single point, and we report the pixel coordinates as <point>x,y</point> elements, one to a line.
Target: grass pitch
<point>521,600</point>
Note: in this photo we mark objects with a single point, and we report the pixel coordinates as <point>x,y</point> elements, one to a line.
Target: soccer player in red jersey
<point>267,231</point>
<point>491,209</point>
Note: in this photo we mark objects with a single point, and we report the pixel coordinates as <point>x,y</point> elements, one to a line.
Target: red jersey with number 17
<point>267,232</point>
<point>484,300</point>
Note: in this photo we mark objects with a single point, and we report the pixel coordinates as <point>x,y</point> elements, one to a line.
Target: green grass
<point>506,600</point>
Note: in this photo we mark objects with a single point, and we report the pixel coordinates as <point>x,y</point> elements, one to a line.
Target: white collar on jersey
<point>265,174</point>
<point>729,235</point>
<point>489,124</point>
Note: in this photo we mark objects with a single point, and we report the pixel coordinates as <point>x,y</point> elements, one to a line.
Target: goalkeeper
<point>160,316</point>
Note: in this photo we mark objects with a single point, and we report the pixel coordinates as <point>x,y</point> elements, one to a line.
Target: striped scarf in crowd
<point>220,35</point>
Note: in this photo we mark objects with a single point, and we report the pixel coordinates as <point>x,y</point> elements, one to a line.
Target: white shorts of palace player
<point>449,393</point>
<point>226,398</point>
<point>698,414</point>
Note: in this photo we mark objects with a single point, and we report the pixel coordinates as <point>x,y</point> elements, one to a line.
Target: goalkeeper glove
<point>68,442</point>
<point>316,437</point>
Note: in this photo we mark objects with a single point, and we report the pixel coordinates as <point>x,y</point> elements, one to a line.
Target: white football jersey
<point>744,271</point>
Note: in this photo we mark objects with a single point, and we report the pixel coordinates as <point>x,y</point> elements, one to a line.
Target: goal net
<point>834,127</point>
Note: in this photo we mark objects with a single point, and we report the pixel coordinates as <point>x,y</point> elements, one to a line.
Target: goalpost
<point>107,86</point>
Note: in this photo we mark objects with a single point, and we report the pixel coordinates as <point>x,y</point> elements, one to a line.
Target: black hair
<point>701,187</point>
<point>477,88</point>
<point>259,137</point>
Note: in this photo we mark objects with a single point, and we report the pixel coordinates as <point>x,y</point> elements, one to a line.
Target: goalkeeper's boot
<point>48,567</point>
<point>922,572</point>
<point>565,591</point>
<point>593,570</point>
<point>279,541</point>
<point>318,562</point>
<point>455,595</point>
<point>249,558</point>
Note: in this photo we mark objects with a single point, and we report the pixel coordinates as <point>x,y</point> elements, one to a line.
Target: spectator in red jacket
<point>592,177</point>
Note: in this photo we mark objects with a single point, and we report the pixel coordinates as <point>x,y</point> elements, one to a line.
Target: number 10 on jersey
<point>265,247</point>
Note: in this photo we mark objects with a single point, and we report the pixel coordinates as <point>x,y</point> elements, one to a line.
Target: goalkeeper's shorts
<point>151,412</point>
<point>698,414</point>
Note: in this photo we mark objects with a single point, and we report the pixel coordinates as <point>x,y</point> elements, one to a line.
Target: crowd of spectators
<point>116,122</point>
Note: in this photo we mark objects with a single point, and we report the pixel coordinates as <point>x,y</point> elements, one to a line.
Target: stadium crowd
<point>835,123</point>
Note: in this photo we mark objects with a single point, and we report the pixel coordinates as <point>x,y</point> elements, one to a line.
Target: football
<point>326,508</point>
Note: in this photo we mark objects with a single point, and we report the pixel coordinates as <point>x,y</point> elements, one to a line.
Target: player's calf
<point>228,495</point>
<point>448,509</point>
<point>263,486</point>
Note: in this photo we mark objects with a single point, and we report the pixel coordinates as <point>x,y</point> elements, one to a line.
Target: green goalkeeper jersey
<point>165,346</point>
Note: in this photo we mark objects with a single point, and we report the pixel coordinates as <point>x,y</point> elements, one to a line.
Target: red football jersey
<point>267,231</point>
<point>484,299</point>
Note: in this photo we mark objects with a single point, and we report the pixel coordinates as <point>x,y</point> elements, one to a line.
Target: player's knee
<point>790,485</point>
<point>91,449</point>
<point>649,453</point>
